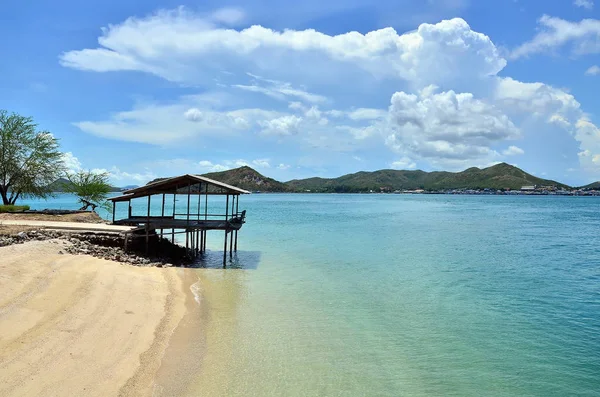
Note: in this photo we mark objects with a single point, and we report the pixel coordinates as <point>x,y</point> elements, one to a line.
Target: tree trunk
<point>4,196</point>
<point>13,199</point>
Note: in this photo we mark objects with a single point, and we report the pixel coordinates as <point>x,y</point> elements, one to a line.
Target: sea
<point>401,295</point>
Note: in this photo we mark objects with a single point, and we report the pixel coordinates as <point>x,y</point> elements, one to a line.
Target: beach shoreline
<point>79,325</point>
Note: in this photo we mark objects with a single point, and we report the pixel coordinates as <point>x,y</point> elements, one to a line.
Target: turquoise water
<point>395,295</point>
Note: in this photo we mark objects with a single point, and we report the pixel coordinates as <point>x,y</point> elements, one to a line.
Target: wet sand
<point>77,325</point>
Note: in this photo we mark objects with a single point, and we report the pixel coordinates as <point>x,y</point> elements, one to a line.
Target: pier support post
<point>225,251</point>
<point>236,238</point>
<point>231,243</point>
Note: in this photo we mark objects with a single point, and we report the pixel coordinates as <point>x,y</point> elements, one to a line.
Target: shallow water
<point>394,295</point>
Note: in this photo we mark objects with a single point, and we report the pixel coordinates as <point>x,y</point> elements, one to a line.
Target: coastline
<point>79,325</point>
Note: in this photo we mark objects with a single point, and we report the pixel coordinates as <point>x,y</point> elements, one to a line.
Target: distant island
<point>61,185</point>
<point>500,178</point>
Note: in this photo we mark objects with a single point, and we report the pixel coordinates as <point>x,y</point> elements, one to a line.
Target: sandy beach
<point>78,325</point>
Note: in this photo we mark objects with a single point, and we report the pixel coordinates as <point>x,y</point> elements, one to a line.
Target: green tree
<point>29,159</point>
<point>91,189</point>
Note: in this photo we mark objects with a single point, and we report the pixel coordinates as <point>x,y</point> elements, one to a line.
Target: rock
<point>22,236</point>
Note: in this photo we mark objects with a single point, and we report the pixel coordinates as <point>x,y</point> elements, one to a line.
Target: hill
<point>591,186</point>
<point>500,176</point>
<point>248,179</point>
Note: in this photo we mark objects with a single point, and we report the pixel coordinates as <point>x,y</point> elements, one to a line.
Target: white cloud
<point>282,166</point>
<point>448,127</point>
<point>367,114</point>
<point>593,71</point>
<point>71,162</point>
<point>210,167</point>
<point>281,126</point>
<point>261,163</point>
<point>584,36</point>
<point>403,164</point>
<point>161,124</point>
<point>121,176</point>
<point>115,174</point>
<point>175,45</point>
<point>228,16</point>
<point>513,151</point>
<point>587,4</point>
<point>470,122</point>
<point>279,90</point>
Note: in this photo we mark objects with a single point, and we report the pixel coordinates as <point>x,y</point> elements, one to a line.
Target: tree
<point>91,188</point>
<point>29,159</point>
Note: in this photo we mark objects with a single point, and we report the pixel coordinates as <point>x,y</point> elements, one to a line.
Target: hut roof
<point>176,184</point>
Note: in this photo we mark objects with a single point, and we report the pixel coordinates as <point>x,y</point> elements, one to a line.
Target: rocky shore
<point>107,246</point>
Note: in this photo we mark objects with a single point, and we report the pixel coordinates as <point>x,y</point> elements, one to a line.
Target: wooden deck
<point>183,224</point>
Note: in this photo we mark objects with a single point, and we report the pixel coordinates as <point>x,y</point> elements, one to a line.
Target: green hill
<point>500,176</point>
<point>248,179</point>
<point>591,186</point>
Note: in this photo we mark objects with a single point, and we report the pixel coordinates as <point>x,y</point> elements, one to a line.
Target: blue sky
<point>157,88</point>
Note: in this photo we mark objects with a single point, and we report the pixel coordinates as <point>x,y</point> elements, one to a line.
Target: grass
<point>13,208</point>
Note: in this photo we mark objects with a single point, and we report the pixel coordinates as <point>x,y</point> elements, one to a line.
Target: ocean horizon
<point>388,295</point>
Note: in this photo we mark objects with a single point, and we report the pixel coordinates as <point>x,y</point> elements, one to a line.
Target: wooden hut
<point>194,223</point>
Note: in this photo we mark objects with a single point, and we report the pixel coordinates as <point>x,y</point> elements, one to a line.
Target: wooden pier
<point>194,224</point>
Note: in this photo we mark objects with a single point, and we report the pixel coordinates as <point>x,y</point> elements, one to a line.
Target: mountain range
<point>500,176</point>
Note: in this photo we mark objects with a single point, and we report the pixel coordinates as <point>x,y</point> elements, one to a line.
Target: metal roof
<point>171,185</point>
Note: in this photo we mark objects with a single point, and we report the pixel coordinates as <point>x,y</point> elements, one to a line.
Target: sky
<point>143,89</point>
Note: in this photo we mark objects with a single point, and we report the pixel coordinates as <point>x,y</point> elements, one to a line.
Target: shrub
<point>13,208</point>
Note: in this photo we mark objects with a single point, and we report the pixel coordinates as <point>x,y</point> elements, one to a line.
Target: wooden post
<point>174,204</point>
<point>227,209</point>
<point>231,243</point>
<point>148,227</point>
<point>231,231</point>
<point>199,199</point>
<point>187,231</point>
<point>226,227</point>
<point>206,202</point>
<point>162,214</point>
<point>114,210</point>
<point>225,250</point>
<point>205,232</point>
<point>129,211</point>
<point>237,213</point>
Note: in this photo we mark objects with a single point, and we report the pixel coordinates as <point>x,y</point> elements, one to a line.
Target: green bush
<point>13,208</point>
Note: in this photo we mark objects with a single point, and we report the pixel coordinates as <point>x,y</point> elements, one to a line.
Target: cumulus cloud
<point>115,174</point>
<point>228,16</point>
<point>175,45</point>
<point>403,164</point>
<point>451,109</point>
<point>593,71</point>
<point>166,124</point>
<point>367,114</point>
<point>71,162</point>
<point>261,163</point>
<point>555,33</point>
<point>513,151</point>
<point>281,126</point>
<point>587,4</point>
<point>448,126</point>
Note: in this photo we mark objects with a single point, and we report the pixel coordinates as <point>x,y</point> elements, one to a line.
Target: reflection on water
<point>240,260</point>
